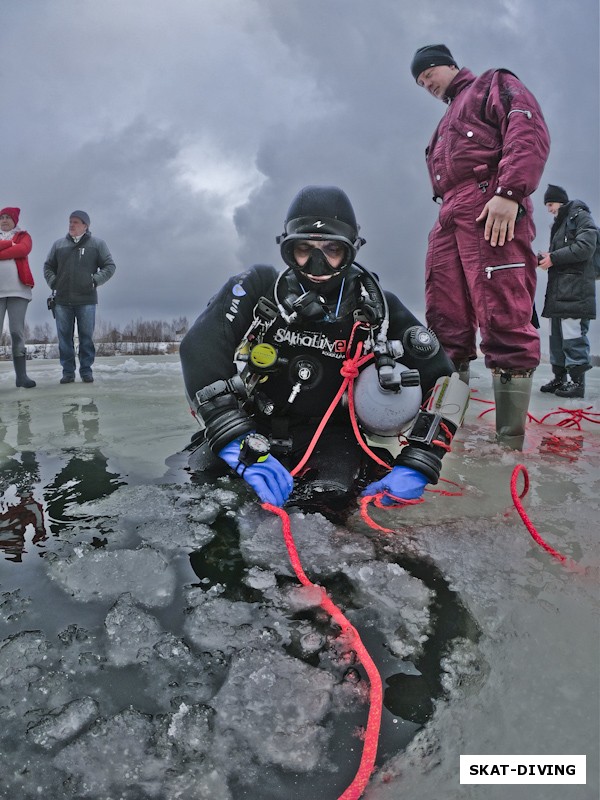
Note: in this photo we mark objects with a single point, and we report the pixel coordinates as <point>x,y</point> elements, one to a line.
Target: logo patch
<point>312,339</point>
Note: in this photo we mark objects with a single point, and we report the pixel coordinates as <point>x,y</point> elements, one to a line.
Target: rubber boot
<point>21,372</point>
<point>557,382</point>
<point>576,386</point>
<point>512,394</point>
<point>464,373</point>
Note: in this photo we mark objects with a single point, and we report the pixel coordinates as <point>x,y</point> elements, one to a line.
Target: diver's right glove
<point>401,482</point>
<point>264,473</point>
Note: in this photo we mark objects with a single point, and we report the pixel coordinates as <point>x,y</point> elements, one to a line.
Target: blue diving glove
<point>268,477</point>
<point>404,482</point>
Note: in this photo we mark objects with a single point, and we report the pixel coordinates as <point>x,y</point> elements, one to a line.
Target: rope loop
<point>520,469</point>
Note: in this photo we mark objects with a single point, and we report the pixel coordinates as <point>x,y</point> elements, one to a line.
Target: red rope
<point>349,632</point>
<point>528,524</point>
<point>350,370</point>
<point>377,502</point>
<point>574,417</point>
<point>564,447</point>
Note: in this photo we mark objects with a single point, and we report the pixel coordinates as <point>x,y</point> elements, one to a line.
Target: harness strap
<point>281,441</point>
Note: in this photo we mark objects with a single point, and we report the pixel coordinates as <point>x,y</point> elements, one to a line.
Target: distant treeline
<point>139,337</point>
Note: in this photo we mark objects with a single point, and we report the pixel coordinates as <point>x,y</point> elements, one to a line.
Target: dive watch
<point>253,448</point>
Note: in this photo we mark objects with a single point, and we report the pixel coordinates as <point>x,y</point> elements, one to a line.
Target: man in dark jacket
<point>76,265</point>
<point>570,301</point>
<point>485,159</point>
<point>266,364</point>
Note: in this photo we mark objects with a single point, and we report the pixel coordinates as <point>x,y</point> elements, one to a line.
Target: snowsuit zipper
<point>528,114</point>
<point>489,270</point>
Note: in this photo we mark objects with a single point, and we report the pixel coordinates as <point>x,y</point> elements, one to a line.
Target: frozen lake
<point>154,642</point>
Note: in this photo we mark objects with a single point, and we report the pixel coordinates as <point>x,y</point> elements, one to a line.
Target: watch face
<point>257,444</point>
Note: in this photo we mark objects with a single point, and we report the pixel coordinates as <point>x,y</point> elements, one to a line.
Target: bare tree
<point>42,334</point>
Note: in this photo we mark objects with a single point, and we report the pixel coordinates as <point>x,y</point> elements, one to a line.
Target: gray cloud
<point>184,129</point>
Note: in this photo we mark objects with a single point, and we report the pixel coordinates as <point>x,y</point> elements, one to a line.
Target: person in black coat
<point>570,301</point>
<point>266,359</point>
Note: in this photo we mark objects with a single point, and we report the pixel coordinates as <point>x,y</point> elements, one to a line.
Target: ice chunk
<point>399,601</point>
<point>134,502</point>
<point>323,548</point>
<point>113,754</point>
<point>13,606</point>
<point>274,705</point>
<point>63,724</point>
<point>178,535</point>
<point>22,653</point>
<point>464,669</point>
<point>129,629</point>
<point>189,730</point>
<point>197,782</point>
<point>91,574</point>
<point>261,579</point>
<point>216,624</point>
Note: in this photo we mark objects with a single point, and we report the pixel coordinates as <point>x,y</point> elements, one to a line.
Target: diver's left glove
<point>401,482</point>
<point>264,473</point>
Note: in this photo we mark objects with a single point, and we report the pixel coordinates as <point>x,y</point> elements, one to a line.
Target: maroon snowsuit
<point>492,140</point>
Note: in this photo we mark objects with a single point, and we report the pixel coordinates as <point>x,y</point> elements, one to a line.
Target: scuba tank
<point>382,412</point>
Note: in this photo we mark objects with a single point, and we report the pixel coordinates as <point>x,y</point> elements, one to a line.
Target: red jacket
<point>17,249</point>
<point>493,125</point>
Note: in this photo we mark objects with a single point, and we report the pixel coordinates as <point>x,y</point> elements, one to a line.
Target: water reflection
<point>21,514</point>
<point>85,476</point>
<point>82,418</point>
<point>30,511</point>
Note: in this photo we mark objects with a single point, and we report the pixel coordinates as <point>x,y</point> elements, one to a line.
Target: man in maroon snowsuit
<point>485,159</point>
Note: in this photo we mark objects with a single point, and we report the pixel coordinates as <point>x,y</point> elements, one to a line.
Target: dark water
<point>41,492</point>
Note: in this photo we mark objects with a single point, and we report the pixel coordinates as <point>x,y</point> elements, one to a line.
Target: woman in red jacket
<point>16,283</point>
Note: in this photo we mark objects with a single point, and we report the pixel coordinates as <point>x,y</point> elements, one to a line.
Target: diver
<point>319,372</point>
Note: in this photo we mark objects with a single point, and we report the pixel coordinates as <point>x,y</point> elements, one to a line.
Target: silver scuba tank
<point>382,412</point>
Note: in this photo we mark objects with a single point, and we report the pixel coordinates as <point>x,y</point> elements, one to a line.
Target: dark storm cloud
<point>185,128</point>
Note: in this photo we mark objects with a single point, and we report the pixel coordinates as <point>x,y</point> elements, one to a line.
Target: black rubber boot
<point>21,372</point>
<point>576,386</point>
<point>557,382</point>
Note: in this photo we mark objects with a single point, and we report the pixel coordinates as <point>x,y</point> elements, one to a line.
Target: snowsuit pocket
<point>507,297</point>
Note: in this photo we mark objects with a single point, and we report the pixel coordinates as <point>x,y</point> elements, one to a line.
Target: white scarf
<point>9,234</point>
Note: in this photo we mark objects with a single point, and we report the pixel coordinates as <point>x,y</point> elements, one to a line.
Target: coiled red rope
<point>352,637</point>
<point>573,418</point>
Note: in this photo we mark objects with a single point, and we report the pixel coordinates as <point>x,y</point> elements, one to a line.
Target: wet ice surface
<point>154,642</point>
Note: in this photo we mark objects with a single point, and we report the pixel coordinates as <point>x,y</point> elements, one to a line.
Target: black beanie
<point>555,194</point>
<point>85,218</point>
<point>432,55</point>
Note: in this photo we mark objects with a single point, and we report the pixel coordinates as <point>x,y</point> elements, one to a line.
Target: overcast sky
<point>185,128</point>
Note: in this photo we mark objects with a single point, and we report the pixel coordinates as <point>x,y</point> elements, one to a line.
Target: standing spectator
<point>16,283</point>
<point>570,301</point>
<point>75,267</point>
<point>485,159</point>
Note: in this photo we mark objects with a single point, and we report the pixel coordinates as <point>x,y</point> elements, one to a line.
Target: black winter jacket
<point>571,289</point>
<point>74,269</point>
